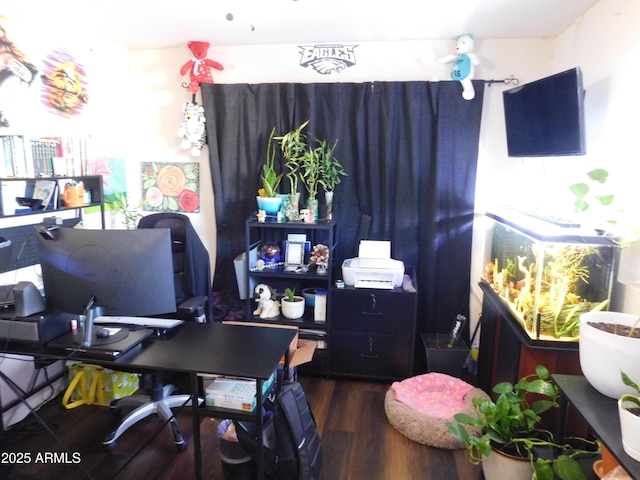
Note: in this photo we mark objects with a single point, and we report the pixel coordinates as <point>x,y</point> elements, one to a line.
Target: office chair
<point>194,302</point>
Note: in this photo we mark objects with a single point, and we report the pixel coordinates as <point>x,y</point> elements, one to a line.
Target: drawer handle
<point>369,356</point>
<point>372,313</point>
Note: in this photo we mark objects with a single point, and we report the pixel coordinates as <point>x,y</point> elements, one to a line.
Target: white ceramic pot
<point>604,355</point>
<point>630,427</point>
<point>292,310</point>
<point>500,466</point>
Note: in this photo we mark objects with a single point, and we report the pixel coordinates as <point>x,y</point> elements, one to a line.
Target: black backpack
<point>295,452</point>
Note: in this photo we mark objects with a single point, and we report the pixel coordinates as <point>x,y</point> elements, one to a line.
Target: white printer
<point>373,267</point>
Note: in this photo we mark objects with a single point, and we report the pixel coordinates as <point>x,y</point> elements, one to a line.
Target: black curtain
<point>410,150</point>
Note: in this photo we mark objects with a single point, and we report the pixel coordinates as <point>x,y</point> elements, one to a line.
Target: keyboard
<point>141,322</point>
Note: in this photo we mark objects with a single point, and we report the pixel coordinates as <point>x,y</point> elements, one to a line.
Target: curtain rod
<point>511,80</point>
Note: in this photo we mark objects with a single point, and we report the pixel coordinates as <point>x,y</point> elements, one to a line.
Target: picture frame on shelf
<point>293,255</point>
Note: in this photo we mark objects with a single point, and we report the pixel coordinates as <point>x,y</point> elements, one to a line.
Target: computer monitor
<point>130,272</point>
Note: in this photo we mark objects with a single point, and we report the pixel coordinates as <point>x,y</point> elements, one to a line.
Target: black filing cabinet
<point>372,332</point>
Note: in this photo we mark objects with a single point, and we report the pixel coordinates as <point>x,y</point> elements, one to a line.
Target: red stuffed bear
<point>198,66</point>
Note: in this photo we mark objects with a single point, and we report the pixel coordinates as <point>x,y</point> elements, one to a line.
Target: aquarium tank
<point>548,271</point>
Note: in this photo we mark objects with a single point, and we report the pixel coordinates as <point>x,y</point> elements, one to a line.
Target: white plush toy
<point>267,306</point>
<point>463,64</point>
<point>192,129</point>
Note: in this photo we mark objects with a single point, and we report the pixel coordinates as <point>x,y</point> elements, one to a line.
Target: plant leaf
<point>579,189</point>
<point>604,199</point>
<point>568,469</point>
<point>598,175</point>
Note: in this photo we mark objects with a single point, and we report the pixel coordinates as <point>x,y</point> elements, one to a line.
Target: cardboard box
<point>300,351</point>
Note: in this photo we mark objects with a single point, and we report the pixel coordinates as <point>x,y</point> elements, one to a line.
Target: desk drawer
<point>380,312</point>
<point>371,355</point>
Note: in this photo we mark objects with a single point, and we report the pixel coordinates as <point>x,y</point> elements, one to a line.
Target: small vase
<point>328,196</point>
<point>292,207</point>
<point>312,205</point>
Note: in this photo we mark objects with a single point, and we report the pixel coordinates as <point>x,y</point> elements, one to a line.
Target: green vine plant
<point>511,423</point>
<point>622,226</point>
<point>130,213</point>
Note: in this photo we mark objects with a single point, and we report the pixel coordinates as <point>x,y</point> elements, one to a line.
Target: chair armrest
<point>192,304</point>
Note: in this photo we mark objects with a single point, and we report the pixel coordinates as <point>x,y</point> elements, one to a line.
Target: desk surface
<point>601,412</point>
<point>238,350</point>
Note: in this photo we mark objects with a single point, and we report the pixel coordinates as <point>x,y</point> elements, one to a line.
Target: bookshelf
<point>12,188</point>
<point>23,156</point>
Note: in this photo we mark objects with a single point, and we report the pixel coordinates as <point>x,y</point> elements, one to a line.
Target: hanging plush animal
<point>192,129</point>
<point>463,64</point>
<point>199,66</point>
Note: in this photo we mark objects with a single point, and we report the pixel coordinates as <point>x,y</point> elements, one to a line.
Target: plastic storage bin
<point>547,274</point>
<point>237,464</point>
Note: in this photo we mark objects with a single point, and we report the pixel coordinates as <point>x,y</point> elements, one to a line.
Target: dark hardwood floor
<point>357,441</point>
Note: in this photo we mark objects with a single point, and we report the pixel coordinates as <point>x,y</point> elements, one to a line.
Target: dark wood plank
<point>357,440</point>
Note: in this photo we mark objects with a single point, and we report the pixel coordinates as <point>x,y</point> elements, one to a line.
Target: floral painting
<point>171,187</point>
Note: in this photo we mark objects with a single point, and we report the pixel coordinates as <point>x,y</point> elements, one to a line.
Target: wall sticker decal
<point>327,59</point>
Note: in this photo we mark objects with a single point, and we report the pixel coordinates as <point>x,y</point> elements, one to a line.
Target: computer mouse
<point>102,333</point>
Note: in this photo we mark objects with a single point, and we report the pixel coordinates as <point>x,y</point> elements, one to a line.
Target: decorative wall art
<point>64,84</point>
<point>171,187</point>
<point>13,63</point>
<point>327,59</point>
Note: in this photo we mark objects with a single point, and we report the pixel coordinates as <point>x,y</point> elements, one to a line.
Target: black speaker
<point>27,299</point>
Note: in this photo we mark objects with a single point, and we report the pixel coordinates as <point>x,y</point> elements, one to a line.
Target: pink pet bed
<point>420,406</point>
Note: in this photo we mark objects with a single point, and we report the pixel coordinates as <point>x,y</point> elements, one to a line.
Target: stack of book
<point>235,393</point>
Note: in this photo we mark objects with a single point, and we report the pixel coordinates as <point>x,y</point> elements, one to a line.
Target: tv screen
<point>545,118</point>
<point>128,271</point>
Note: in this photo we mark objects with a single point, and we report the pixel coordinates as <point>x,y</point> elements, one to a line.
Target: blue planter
<point>271,205</point>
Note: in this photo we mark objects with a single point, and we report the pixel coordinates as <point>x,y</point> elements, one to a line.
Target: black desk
<point>193,348</point>
<point>601,412</point>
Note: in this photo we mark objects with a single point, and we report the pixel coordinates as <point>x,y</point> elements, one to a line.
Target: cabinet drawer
<point>371,355</point>
<point>366,311</point>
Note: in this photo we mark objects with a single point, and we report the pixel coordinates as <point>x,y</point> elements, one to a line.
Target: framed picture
<point>294,254</point>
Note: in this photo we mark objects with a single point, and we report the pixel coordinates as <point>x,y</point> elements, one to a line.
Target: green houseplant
<point>629,411</point>
<point>292,305</point>
<point>511,424</point>
<point>267,199</point>
<point>130,213</point>
<point>293,145</point>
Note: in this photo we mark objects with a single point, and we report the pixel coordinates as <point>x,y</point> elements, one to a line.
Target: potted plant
<point>267,198</point>
<point>292,305</point>
<point>629,411</point>
<point>293,146</point>
<point>331,172</point>
<point>130,214</point>
<point>510,425</point>
<point>311,178</point>
<point>609,342</point>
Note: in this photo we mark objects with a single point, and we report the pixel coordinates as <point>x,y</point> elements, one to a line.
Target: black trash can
<point>237,464</point>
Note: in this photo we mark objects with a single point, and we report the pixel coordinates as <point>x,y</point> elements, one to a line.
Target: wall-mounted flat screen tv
<point>545,118</point>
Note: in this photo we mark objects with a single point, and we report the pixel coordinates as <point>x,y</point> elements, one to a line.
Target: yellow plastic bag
<point>95,385</point>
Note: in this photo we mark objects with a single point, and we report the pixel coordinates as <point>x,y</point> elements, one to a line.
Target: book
<point>45,191</point>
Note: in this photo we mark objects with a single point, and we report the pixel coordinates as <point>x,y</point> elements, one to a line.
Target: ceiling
<point>142,24</point>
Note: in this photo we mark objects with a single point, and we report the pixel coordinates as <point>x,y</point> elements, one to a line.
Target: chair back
<point>191,267</point>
